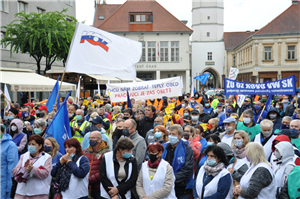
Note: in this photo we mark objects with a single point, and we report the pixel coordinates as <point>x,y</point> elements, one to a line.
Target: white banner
<point>233,73</point>
<point>94,51</point>
<point>170,87</point>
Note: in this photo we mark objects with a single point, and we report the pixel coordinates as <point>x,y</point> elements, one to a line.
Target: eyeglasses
<point>187,131</point>
<point>93,138</point>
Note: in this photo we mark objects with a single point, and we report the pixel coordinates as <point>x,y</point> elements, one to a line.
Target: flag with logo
<point>59,128</point>
<point>233,73</point>
<point>269,103</point>
<point>94,51</point>
<point>99,92</point>
<point>51,100</point>
<point>202,78</point>
<point>240,100</point>
<point>7,103</point>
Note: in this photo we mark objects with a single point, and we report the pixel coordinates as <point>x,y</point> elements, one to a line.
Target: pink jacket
<point>196,146</point>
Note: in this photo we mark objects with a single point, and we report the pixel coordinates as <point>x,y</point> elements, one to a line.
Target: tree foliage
<point>41,35</point>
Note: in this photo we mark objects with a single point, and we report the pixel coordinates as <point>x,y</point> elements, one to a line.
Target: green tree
<point>41,35</point>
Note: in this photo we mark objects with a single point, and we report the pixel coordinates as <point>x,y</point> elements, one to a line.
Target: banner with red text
<point>170,87</point>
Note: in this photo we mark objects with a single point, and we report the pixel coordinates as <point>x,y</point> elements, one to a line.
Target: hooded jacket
<point>286,151</point>
<point>277,122</point>
<point>9,160</point>
<point>22,144</point>
<point>145,125</point>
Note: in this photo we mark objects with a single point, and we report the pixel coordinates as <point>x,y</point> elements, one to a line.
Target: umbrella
<point>210,92</point>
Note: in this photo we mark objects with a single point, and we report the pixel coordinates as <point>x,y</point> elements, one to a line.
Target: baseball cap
<point>14,111</point>
<point>286,132</point>
<point>229,120</point>
<point>247,100</point>
<point>43,108</point>
<point>29,104</point>
<point>194,112</point>
<point>220,104</point>
<point>187,117</point>
<point>97,120</point>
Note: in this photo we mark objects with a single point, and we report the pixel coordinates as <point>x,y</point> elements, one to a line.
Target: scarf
<point>240,153</point>
<point>64,175</point>
<point>213,171</point>
<point>153,165</point>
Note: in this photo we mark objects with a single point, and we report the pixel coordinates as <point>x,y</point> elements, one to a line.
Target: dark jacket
<point>245,107</point>
<point>95,158</point>
<point>145,125</point>
<point>123,186</point>
<point>204,117</point>
<point>277,122</point>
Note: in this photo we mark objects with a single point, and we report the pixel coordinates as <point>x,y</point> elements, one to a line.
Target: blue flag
<point>269,103</point>
<point>202,78</point>
<point>59,128</point>
<point>128,101</point>
<point>52,97</point>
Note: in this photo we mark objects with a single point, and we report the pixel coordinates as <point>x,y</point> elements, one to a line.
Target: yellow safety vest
<point>77,135</point>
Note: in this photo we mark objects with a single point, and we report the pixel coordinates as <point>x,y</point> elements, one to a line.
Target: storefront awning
<point>26,80</point>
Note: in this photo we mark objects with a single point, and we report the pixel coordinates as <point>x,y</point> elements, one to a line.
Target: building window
<point>208,17</point>
<point>208,34</point>
<point>147,17</point>
<point>2,8</point>
<point>40,10</point>
<point>22,6</point>
<point>2,36</point>
<point>175,75</point>
<point>169,75</point>
<point>143,58</point>
<point>164,51</point>
<point>268,53</point>
<point>209,56</point>
<point>101,17</point>
<point>175,51</point>
<point>291,52</point>
<point>233,60</point>
<point>151,51</point>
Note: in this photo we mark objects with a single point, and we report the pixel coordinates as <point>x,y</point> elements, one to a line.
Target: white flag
<point>106,92</point>
<point>78,91</point>
<point>192,89</point>
<point>99,89</point>
<point>94,51</point>
<point>233,73</point>
<point>6,93</point>
<point>240,100</point>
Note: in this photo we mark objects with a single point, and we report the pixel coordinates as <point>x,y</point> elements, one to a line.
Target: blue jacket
<point>9,160</point>
<point>56,158</point>
<point>256,116</point>
<point>203,144</point>
<point>222,118</point>
<point>277,122</point>
<point>208,110</point>
<point>193,105</point>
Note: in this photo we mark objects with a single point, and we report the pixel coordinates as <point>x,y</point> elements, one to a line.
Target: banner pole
<point>297,109</point>
<point>261,113</point>
<point>225,105</point>
<point>60,86</point>
<point>11,104</point>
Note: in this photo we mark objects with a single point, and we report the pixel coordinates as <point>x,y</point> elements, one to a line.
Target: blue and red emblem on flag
<point>95,39</point>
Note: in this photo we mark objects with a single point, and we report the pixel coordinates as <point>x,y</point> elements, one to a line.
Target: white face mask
<point>277,106</point>
<point>14,128</point>
<point>247,120</point>
<point>277,154</point>
<point>228,129</point>
<point>183,105</point>
<point>267,133</point>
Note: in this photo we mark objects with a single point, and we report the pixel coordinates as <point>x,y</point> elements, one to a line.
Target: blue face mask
<point>155,124</point>
<point>71,156</point>
<point>173,140</point>
<point>185,114</point>
<point>229,110</point>
<point>126,155</point>
<point>283,126</point>
<point>78,117</point>
<point>47,148</point>
<point>211,162</point>
<point>257,107</point>
<point>37,131</point>
<point>25,115</point>
<point>206,105</point>
<point>32,149</point>
<point>158,135</point>
<point>10,117</point>
<point>196,95</point>
<point>37,111</point>
<point>210,143</point>
<point>294,132</point>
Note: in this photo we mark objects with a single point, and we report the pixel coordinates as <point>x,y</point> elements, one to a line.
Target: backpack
<point>294,183</point>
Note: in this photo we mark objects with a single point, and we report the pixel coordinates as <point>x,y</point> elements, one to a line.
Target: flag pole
<point>60,86</point>
<point>261,113</point>
<point>8,100</point>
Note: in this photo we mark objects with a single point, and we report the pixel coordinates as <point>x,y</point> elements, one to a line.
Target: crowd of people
<point>198,146</point>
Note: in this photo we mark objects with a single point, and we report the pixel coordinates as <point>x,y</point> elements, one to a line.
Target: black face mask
<point>40,115</point>
<point>153,157</point>
<point>125,132</point>
<point>125,118</point>
<point>119,132</point>
<point>186,136</point>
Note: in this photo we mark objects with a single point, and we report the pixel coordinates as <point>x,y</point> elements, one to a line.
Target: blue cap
<point>229,120</point>
<point>220,104</point>
<point>97,120</point>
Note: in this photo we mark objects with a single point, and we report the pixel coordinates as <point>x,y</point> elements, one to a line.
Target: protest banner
<point>170,87</point>
<point>286,86</point>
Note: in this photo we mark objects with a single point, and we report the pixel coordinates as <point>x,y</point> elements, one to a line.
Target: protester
<point>71,172</point>
<point>258,181</point>
<point>195,117</point>
<point>147,122</point>
<point>199,132</point>
<point>40,126</point>
<point>9,160</point>
<point>156,176</point>
<point>140,147</point>
<point>229,110</point>
<point>227,136</point>
<point>79,125</point>
<point>259,114</point>
<point>118,171</point>
<point>274,116</point>
<point>207,108</point>
<point>180,156</point>
<point>18,137</point>
<point>52,148</point>
<point>150,134</point>
<point>12,114</point>
<point>212,127</point>
<point>193,140</point>
<point>160,135</point>
<point>266,137</point>
<point>33,171</point>
<point>95,153</point>
<point>249,124</point>
<point>247,105</point>
<point>213,179</point>
<point>239,142</point>
<point>295,128</point>
<point>279,107</point>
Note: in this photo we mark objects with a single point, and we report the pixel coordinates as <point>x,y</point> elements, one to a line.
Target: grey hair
<point>192,130</point>
<point>160,118</point>
<point>120,121</point>
<point>295,121</point>
<point>133,123</point>
<point>100,109</point>
<point>287,118</point>
<point>266,123</point>
<point>82,111</point>
<point>91,109</point>
<point>176,127</point>
<point>107,107</point>
<point>40,123</point>
<point>250,112</point>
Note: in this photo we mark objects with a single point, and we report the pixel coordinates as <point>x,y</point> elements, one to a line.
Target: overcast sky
<point>239,15</point>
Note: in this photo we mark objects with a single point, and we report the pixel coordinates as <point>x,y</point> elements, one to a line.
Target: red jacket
<point>95,158</point>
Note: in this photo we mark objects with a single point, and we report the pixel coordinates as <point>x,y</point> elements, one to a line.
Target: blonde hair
<point>136,106</point>
<point>256,153</point>
<point>70,98</point>
<point>244,135</point>
<point>94,114</point>
<point>55,145</point>
<point>192,130</point>
<point>117,109</point>
<point>216,121</point>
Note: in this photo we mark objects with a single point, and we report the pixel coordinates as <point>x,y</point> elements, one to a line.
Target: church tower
<point>207,40</point>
